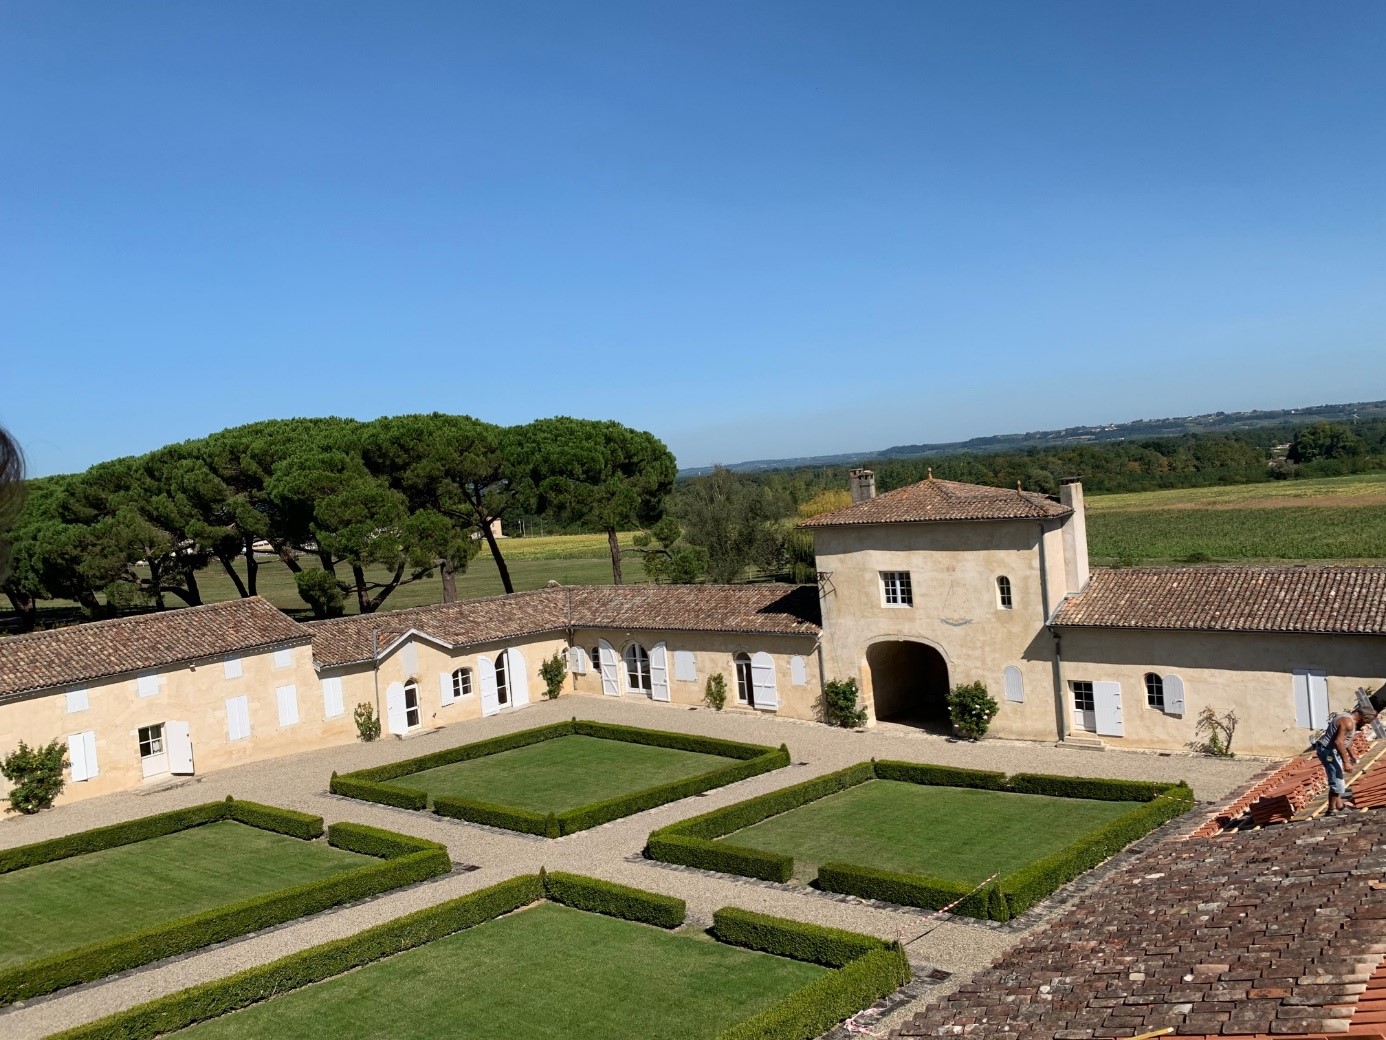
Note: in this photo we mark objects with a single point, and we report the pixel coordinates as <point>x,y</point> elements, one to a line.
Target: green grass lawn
<point>545,972</point>
<point>953,833</point>
<point>54,907</point>
<point>562,773</point>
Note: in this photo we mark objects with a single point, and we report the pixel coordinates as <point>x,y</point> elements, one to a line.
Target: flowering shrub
<point>971,710</point>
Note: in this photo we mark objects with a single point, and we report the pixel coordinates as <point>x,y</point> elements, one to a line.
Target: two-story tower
<point>941,583</point>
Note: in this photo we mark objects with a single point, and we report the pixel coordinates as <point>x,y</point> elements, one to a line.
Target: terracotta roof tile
<point>1321,599</point>
<point>100,649</point>
<point>770,609</point>
<point>935,499</point>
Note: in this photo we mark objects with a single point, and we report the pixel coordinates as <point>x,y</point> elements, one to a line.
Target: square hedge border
<point>404,861</point>
<point>864,969</point>
<point>372,784</point>
<point>691,842</point>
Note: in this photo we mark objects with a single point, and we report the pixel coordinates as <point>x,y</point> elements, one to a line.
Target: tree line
<point>376,505</point>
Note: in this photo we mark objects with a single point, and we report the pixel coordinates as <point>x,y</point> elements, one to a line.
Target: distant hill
<point>1141,429</point>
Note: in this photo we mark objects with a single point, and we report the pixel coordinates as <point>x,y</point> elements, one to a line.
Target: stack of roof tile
<point>1295,787</point>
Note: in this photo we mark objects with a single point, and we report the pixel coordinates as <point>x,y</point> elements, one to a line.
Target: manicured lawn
<point>545,972</point>
<point>946,832</point>
<point>58,906</point>
<point>562,773</point>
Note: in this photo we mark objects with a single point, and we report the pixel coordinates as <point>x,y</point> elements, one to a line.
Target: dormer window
<point>895,589</point>
<point>1003,593</point>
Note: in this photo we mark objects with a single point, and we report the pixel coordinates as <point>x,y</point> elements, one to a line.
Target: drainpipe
<point>375,667</point>
<point>1059,684</point>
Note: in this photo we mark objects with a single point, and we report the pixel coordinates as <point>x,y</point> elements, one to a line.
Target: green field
<point>563,773</point>
<point>55,907</point>
<point>957,834</point>
<point>545,972</point>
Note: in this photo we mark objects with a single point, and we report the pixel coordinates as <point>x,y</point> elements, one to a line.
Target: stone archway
<point>909,683</point>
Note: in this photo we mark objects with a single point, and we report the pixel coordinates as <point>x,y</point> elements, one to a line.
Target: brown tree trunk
<point>156,583</point>
<point>194,594</point>
<point>252,568</point>
<point>228,564</point>
<point>25,608</point>
<point>490,536</point>
<point>362,601</point>
<point>449,576</point>
<point>286,557</point>
<point>615,544</point>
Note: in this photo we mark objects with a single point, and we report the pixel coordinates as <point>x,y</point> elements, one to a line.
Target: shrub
<point>715,691</point>
<point>350,785</point>
<point>36,774</point>
<point>1213,734</point>
<point>840,706</point>
<point>830,947</point>
<point>367,725</point>
<point>891,886</point>
<point>613,900</point>
<point>526,821</point>
<point>554,672</point>
<point>272,818</point>
<point>320,591</point>
<point>1094,788</point>
<point>110,837</point>
<point>940,776</point>
<point>373,841</point>
<point>971,709</point>
<point>667,847</point>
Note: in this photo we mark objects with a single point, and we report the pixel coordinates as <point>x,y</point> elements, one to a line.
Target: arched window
<point>411,703</point>
<point>1154,691</point>
<point>1003,592</point>
<point>462,683</point>
<point>597,659</point>
<point>745,680</point>
<point>638,668</point>
<point>502,679</point>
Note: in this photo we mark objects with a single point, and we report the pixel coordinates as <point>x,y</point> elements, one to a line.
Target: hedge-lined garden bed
<point>374,785</point>
<point>695,842</point>
<point>585,978</point>
<point>395,860</point>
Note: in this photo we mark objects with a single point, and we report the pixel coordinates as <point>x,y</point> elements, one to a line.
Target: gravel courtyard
<point>610,851</point>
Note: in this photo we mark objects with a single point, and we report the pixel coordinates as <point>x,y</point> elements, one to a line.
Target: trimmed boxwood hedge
<point>371,784</point>
<point>112,836</point>
<point>406,861</point>
<point>613,900</point>
<point>691,842</point>
<point>866,968</point>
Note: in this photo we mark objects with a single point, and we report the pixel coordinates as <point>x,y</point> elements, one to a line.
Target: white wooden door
<point>180,749</point>
<point>610,684</point>
<point>659,672</point>
<point>518,678</point>
<point>1106,698</point>
<point>763,681</point>
<point>396,711</point>
<point>486,671</point>
<point>1084,717</point>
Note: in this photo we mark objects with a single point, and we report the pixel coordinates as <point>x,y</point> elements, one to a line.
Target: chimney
<point>863,485</point>
<point>1075,531</point>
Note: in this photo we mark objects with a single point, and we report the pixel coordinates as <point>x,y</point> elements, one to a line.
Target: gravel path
<point>611,851</point>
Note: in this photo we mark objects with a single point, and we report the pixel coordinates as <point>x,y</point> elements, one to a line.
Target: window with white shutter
<point>1014,683</point>
<point>577,660</point>
<point>332,706</point>
<point>237,718</point>
<point>288,705</point>
<point>77,700</point>
<point>283,659</point>
<point>409,658</point>
<point>231,668</point>
<point>81,754</point>
<point>685,666</point>
<point>147,684</point>
<point>798,671</point>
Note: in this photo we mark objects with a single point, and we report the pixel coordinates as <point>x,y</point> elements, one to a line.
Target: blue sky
<point>757,229</point>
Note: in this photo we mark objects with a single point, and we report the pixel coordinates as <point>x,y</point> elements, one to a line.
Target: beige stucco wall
<point>713,654</point>
<point>195,693</point>
<point>953,568</point>
<point>1227,671</point>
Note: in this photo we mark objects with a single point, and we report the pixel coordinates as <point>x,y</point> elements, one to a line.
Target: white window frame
<point>462,684</point>
<point>897,590</point>
<point>1083,688</point>
<point>745,679</point>
<point>636,660</point>
<point>155,740</point>
<point>78,699</point>
<point>1005,593</point>
<point>502,667</point>
<point>1154,691</point>
<point>413,714</point>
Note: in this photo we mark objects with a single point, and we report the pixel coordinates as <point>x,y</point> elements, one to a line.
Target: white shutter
<point>396,714</point>
<point>89,746</point>
<point>409,657</point>
<point>288,705</point>
<point>1299,679</point>
<point>1174,695</point>
<point>1106,697</point>
<point>231,668</point>
<point>332,697</point>
<point>147,685</point>
<point>1014,683</point>
<point>489,704</point>
<point>685,666</point>
<point>610,686</point>
<point>577,660</point>
<point>798,671</point>
<point>445,692</point>
<point>283,659</point>
<point>237,718</point>
<point>1318,699</point>
<point>518,678</point>
<point>77,756</point>
<point>659,673</point>
<point>178,741</point>
<point>77,700</point>
<point>763,681</point>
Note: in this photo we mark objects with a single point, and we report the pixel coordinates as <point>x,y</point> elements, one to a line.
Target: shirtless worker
<point>1334,750</point>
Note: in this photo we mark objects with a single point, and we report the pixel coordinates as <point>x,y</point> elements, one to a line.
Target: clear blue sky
<point>757,229</point>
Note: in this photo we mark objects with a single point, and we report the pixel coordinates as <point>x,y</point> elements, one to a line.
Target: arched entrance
<point>909,683</point>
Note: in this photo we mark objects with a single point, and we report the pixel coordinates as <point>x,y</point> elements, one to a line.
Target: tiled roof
<point>935,499</point>
<point>770,609</point>
<point>85,653</point>
<point>1328,600</point>
<point>1273,931</point>
<point>348,640</point>
<point>785,609</point>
